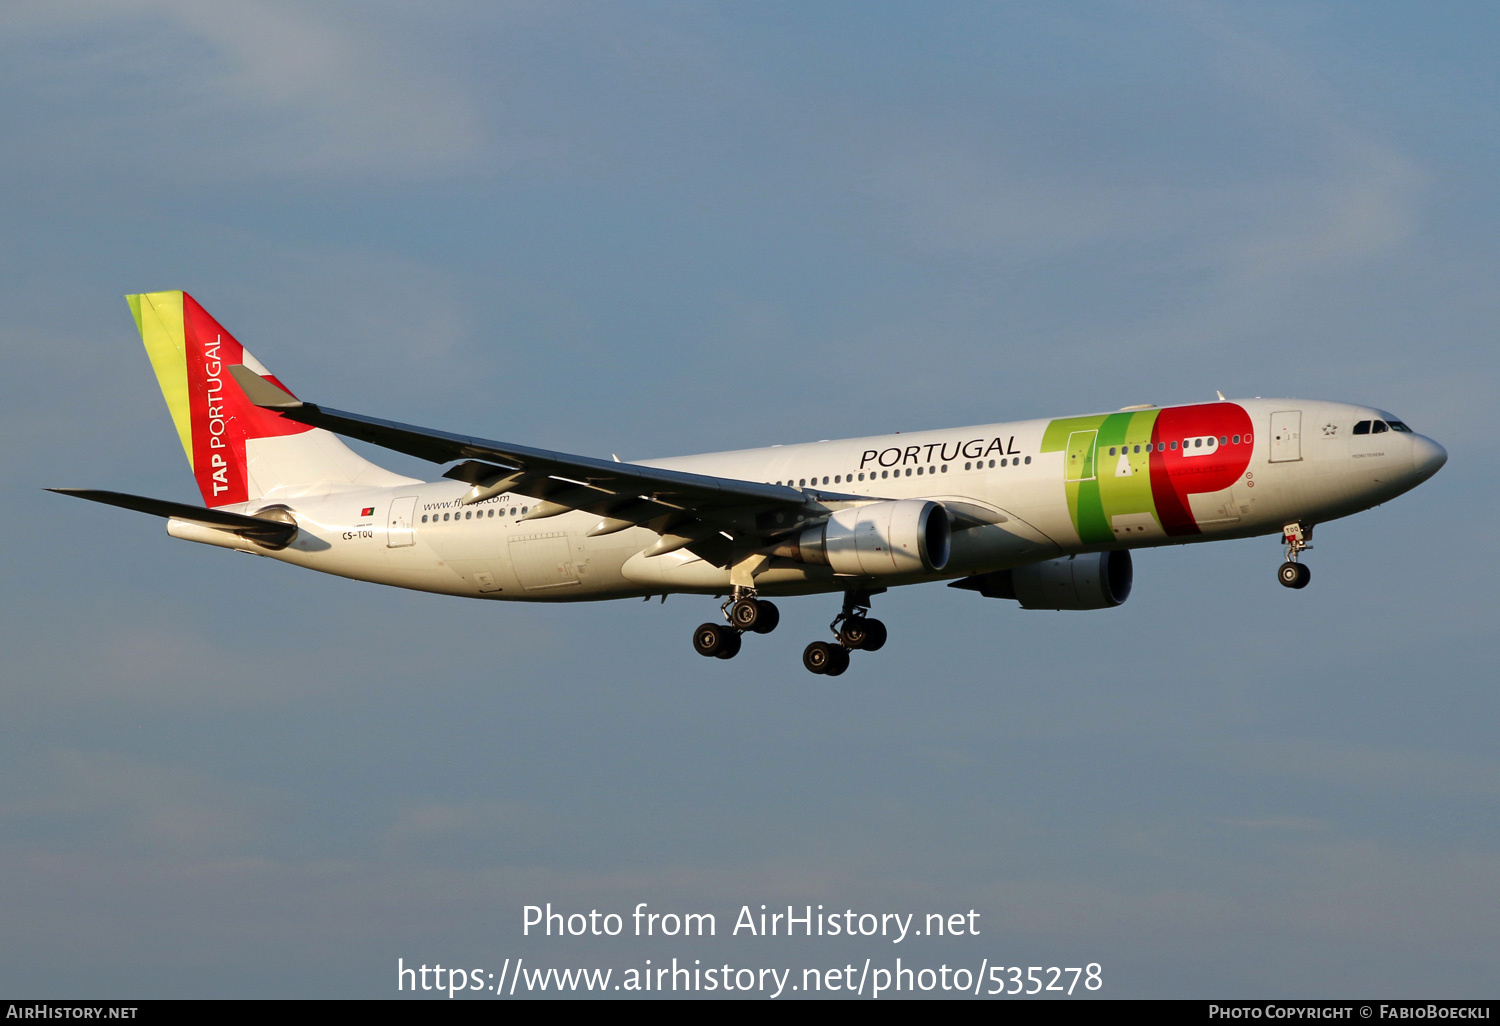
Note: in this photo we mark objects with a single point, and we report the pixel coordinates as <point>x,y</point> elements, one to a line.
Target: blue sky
<point>654,229</point>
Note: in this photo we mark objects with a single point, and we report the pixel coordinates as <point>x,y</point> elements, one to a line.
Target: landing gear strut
<point>854,628</point>
<point>1292,573</point>
<point>744,612</point>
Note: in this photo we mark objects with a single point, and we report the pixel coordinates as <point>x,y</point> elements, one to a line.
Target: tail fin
<point>238,451</point>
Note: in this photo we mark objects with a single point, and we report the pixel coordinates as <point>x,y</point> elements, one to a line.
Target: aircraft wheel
<point>818,656</point>
<point>875,636</point>
<point>769,617</point>
<point>731,645</point>
<point>746,614</point>
<point>1294,575</point>
<point>855,632</point>
<point>839,661</point>
<point>710,639</point>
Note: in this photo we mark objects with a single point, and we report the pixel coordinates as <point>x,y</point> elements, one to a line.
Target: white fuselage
<point>420,536</point>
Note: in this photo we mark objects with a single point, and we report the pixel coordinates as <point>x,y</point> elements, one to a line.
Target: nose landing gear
<point>1292,573</point>
<point>744,612</point>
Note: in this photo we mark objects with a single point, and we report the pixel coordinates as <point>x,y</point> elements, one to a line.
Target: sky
<point>654,229</point>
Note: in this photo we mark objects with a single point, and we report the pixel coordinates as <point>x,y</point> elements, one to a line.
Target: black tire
<point>839,663</point>
<point>745,614</point>
<point>731,645</point>
<point>1293,575</point>
<point>854,632</point>
<point>1304,575</point>
<point>709,639</point>
<point>818,656</point>
<point>875,636</point>
<point>770,616</point>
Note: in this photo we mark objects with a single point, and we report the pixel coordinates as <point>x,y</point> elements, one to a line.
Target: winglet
<point>262,392</point>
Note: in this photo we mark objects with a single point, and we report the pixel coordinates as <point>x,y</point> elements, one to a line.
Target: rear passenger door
<point>399,524</point>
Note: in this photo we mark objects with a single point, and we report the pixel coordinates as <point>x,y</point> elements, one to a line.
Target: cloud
<point>243,87</point>
<point>1383,771</point>
<point>88,800</point>
<point>1249,178</point>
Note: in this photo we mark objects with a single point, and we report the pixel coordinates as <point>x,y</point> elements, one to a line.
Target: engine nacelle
<point>1099,580</point>
<point>879,539</point>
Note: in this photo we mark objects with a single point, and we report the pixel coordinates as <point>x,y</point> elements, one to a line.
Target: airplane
<point>1045,513</point>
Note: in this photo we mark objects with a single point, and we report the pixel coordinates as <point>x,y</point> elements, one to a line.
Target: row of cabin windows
<point>1125,450</point>
<point>469,514</point>
<point>1364,427</point>
<point>802,482</point>
<point>1375,427</point>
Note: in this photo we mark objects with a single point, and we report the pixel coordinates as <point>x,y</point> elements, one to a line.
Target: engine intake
<point>879,539</point>
<point>1099,580</point>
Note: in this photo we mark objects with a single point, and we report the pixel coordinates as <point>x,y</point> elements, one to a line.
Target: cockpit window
<point>1362,428</point>
<point>1378,427</point>
<point>1396,425</point>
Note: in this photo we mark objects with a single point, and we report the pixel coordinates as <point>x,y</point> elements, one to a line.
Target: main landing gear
<point>744,612</point>
<point>854,628</point>
<point>1292,573</point>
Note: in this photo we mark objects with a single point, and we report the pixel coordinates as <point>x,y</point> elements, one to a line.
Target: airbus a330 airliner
<point>1042,512</point>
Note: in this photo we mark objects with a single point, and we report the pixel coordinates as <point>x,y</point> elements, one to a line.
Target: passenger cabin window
<point>1362,428</point>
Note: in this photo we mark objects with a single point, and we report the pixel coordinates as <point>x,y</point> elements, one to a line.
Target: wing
<point>719,519</point>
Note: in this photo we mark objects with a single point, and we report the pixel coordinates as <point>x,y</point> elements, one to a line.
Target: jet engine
<point>1099,580</point>
<point>879,539</point>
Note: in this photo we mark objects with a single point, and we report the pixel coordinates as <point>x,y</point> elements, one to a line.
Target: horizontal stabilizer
<point>272,533</point>
<point>261,391</point>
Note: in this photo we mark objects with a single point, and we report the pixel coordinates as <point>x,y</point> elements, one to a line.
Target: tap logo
<point>1153,461</point>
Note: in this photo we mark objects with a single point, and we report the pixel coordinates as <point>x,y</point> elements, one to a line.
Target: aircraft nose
<point>1427,457</point>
